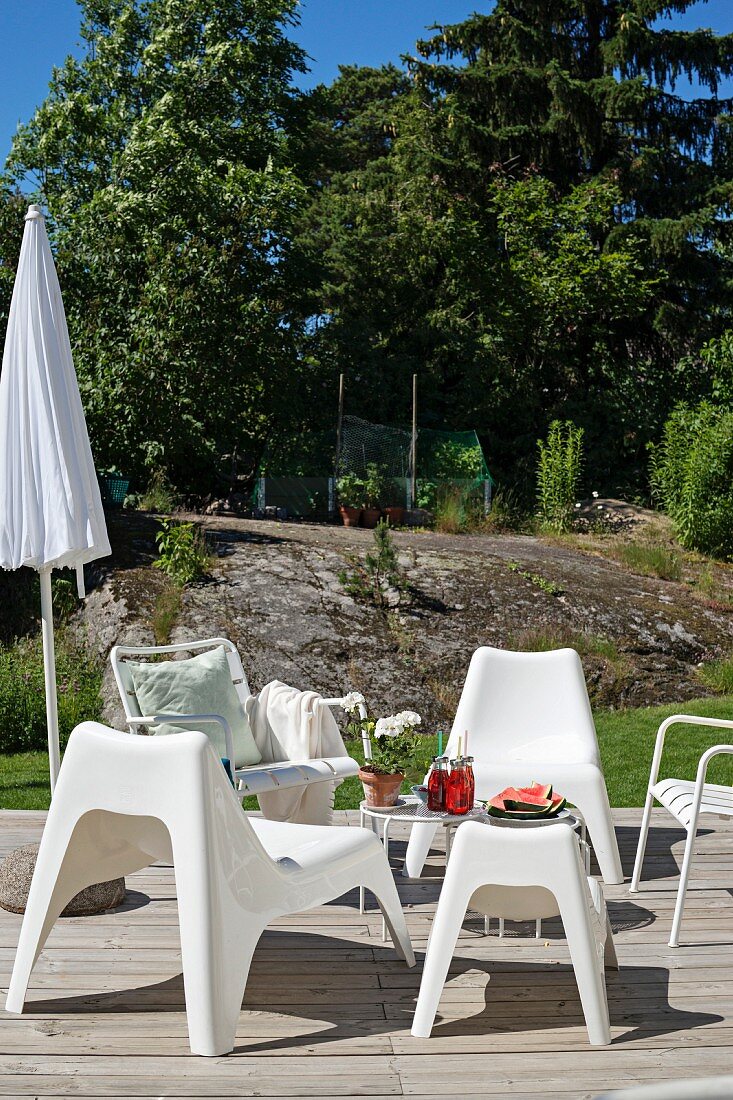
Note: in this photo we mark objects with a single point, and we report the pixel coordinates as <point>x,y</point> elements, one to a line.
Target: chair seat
<point>260,778</point>
<point>311,847</point>
<point>677,795</point>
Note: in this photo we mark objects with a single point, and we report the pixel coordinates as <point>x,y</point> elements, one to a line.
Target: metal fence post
<point>261,494</point>
<point>487,496</point>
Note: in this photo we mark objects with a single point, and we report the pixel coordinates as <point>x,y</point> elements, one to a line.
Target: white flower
<point>409,718</point>
<point>599,507</point>
<point>577,505</point>
<point>595,495</point>
<point>387,727</point>
<point>352,702</point>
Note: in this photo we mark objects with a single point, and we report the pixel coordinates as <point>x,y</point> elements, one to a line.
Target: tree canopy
<point>527,214</point>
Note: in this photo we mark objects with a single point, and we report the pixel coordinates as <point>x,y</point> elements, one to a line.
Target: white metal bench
<point>252,780</point>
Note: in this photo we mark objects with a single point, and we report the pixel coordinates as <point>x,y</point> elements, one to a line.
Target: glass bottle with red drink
<point>437,784</point>
<point>471,780</point>
<point>457,789</point>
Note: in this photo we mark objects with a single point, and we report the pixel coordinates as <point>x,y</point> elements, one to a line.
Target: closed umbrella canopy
<point>51,514</point>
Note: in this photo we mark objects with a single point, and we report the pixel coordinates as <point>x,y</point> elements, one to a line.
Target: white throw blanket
<point>288,725</point>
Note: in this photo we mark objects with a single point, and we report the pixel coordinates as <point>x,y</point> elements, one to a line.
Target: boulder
<point>16,873</point>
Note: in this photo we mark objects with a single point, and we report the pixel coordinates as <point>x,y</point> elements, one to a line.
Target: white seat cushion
<point>677,795</point>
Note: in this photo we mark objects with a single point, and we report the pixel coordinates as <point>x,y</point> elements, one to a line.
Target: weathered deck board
<point>328,1008</point>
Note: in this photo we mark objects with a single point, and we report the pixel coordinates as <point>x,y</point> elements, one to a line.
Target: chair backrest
<point>125,784</point>
<point>119,655</point>
<point>510,700</point>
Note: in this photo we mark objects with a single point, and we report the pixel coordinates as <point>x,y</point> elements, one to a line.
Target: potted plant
<point>397,751</point>
<point>375,493</point>
<point>350,489</point>
<point>395,513</point>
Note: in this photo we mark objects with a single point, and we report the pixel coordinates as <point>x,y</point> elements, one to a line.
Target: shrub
<point>183,553</point>
<point>558,474</point>
<point>22,694</point>
<point>692,477</point>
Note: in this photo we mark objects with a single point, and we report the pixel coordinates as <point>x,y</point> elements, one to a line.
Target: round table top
<point>410,808</point>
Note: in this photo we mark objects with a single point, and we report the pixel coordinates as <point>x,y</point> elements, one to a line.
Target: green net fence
<point>301,476</point>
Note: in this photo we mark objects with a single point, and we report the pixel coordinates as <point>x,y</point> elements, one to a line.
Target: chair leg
<point>597,814</point>
<point>418,846</point>
<point>443,936</point>
<point>610,958</point>
<point>641,847</point>
<point>674,939</point>
<point>379,880</point>
<point>587,965</point>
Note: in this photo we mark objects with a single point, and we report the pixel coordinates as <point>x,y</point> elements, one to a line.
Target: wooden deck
<point>328,1009</point>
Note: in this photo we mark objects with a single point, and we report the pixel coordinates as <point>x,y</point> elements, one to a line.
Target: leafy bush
<point>692,477</point>
<point>183,553</point>
<point>22,692</point>
<point>451,460</point>
<point>558,474</point>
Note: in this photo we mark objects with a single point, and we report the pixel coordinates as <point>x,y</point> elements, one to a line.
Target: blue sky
<point>34,38</point>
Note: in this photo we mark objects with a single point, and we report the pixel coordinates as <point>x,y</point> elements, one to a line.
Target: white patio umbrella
<point>51,513</point>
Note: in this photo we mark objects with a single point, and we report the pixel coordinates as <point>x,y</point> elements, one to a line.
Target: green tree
<point>542,233</point>
<point>161,157</point>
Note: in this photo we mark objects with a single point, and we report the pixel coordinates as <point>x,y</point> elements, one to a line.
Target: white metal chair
<point>528,718</point>
<point>115,811</point>
<point>255,779</point>
<point>685,801</point>
<point>522,874</point>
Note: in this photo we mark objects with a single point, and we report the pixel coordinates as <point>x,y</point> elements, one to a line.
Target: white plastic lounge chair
<point>115,811</point>
<point>252,780</point>
<point>521,874</point>
<point>685,801</point>
<point>529,718</point>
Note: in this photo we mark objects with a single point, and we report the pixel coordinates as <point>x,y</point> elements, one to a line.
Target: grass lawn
<point>626,738</point>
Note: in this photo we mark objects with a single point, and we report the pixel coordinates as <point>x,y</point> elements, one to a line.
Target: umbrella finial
<point>34,211</point>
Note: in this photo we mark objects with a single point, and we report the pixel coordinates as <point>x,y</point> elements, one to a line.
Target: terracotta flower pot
<point>370,517</point>
<point>380,790</point>
<point>350,516</point>
<point>395,515</point>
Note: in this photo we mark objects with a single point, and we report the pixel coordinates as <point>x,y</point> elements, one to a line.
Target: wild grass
<point>718,675</point>
<point>165,614</point>
<point>650,559</point>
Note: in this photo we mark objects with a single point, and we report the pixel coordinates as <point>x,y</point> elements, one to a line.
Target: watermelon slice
<point>536,800</point>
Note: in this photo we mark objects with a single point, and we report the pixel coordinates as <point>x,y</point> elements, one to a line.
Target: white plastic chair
<point>115,811</point>
<point>257,778</point>
<point>528,718</point>
<point>522,874</point>
<point>685,801</point>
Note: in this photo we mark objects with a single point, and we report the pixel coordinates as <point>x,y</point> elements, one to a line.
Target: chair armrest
<point>193,720</point>
<point>683,720</point>
<point>366,743</point>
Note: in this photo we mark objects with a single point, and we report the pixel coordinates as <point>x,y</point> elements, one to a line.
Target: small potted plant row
<point>362,499</point>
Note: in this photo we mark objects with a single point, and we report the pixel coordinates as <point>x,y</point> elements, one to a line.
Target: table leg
<point>362,897</point>
<point>538,928</point>
<point>501,928</point>
<point>447,843</point>
<point>385,842</point>
<point>487,925</point>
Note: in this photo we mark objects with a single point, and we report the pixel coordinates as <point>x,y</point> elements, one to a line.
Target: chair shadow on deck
<point>519,996</point>
<point>659,862</point>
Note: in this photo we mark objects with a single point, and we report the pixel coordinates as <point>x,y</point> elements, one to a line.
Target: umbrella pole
<point>49,670</point>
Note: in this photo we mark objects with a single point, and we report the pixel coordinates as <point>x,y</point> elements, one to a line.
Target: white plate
<point>534,823</point>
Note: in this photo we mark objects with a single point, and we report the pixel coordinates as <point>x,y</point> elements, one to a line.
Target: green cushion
<point>199,685</point>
